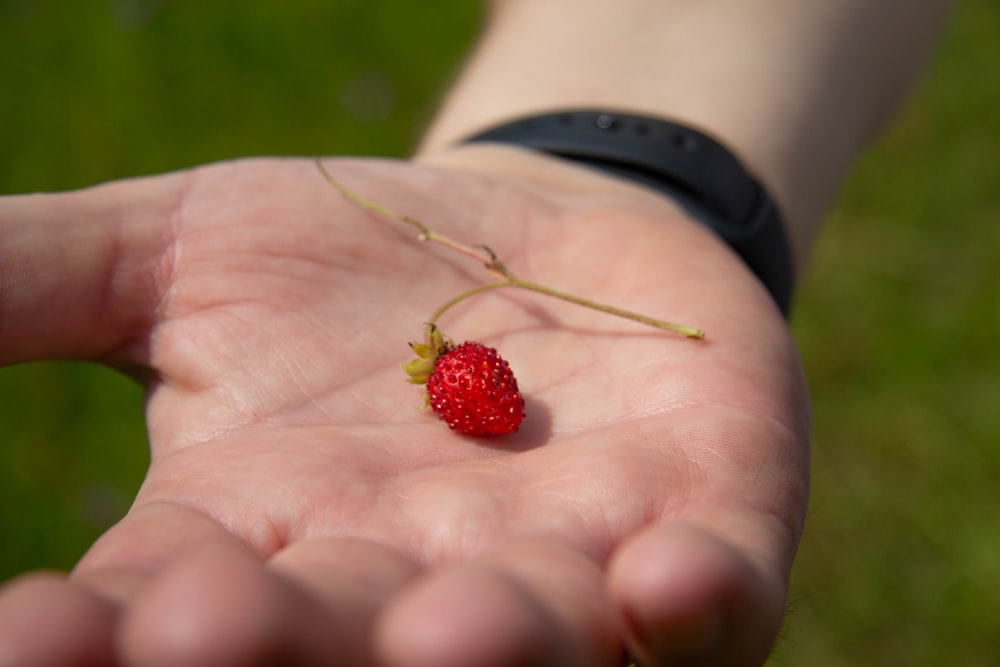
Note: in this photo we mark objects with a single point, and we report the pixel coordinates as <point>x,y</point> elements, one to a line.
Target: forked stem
<point>506,278</point>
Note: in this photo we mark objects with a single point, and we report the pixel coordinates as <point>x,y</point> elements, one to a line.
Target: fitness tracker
<point>688,166</point>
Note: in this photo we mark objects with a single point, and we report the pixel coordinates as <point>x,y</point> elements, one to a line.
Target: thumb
<point>81,272</point>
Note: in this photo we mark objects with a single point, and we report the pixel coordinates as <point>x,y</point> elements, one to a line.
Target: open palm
<point>302,507</point>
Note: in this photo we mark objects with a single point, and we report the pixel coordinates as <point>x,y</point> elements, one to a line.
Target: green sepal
<point>422,350</point>
<point>419,369</point>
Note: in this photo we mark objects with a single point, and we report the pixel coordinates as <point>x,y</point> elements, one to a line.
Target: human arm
<point>687,465</point>
<point>794,89</point>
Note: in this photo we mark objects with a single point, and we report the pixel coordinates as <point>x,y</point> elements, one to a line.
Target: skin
<point>301,509</point>
<point>300,503</point>
<point>795,89</point>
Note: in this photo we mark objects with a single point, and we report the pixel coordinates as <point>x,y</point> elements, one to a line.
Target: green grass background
<point>897,317</point>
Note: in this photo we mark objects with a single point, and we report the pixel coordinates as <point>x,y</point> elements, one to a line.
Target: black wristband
<point>690,167</point>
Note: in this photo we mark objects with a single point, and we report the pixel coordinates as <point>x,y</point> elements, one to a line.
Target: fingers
<point>49,620</point>
<point>344,601</point>
<point>687,597</point>
<point>193,594</point>
<point>354,579</point>
<point>78,270</point>
<point>45,621</point>
<point>216,608</point>
<point>225,608</point>
<point>314,603</point>
<point>525,604</point>
<point>690,597</point>
<point>202,597</point>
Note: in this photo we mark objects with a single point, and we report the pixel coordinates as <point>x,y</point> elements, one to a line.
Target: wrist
<point>670,226</point>
<point>679,162</point>
<point>645,58</point>
<point>793,89</point>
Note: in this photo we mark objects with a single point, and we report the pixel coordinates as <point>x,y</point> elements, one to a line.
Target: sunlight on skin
<point>282,428</point>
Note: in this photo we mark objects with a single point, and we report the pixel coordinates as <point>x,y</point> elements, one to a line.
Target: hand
<point>301,507</point>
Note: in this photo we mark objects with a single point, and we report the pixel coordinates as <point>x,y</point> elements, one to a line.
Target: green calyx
<point>436,344</point>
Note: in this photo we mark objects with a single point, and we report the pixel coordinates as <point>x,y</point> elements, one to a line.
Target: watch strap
<point>687,165</point>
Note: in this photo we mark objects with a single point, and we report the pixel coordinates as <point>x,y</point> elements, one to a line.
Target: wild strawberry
<point>474,391</point>
<point>470,386</point>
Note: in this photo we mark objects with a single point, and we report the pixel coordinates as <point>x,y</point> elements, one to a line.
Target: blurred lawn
<point>897,318</point>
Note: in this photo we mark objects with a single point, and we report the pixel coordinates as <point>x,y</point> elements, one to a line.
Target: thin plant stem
<point>425,233</point>
<point>463,296</point>
<point>498,269</point>
<point>684,330</point>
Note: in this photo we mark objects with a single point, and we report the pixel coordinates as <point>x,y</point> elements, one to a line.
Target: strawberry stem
<point>497,268</point>
<point>462,297</point>
<point>684,330</point>
<point>425,232</point>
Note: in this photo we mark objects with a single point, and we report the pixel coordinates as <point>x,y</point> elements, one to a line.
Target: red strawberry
<point>469,385</point>
<point>474,391</point>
